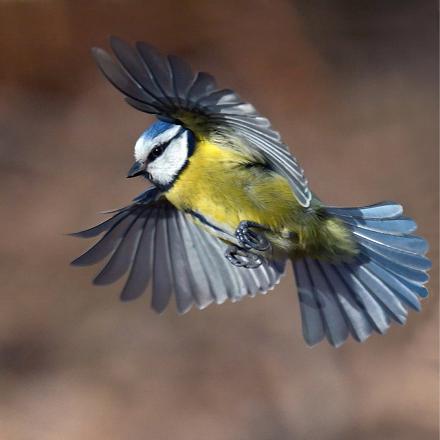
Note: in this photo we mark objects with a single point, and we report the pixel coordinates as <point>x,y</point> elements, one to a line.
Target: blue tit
<point>229,206</point>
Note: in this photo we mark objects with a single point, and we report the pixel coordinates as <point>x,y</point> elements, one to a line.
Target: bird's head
<point>162,152</point>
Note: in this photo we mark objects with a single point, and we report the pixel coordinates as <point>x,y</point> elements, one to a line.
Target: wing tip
<point>78,234</point>
<point>115,39</point>
<point>99,54</point>
<point>78,263</point>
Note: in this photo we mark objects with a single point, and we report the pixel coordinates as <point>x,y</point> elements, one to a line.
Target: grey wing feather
<point>163,276</point>
<point>108,242</point>
<point>200,282</point>
<point>101,227</point>
<point>153,241</point>
<point>203,85</point>
<point>180,266</point>
<point>122,256</point>
<point>182,77</point>
<point>159,69</point>
<point>132,64</point>
<point>142,267</point>
<point>167,87</point>
<point>209,260</point>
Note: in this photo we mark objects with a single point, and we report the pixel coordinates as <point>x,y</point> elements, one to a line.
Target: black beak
<point>137,169</point>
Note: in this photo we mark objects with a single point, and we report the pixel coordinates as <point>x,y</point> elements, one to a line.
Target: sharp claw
<point>250,239</point>
<point>240,258</point>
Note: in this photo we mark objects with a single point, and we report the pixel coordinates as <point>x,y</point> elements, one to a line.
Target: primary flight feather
<point>230,205</point>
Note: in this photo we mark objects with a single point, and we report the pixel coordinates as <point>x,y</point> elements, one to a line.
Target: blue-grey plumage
<point>227,190</point>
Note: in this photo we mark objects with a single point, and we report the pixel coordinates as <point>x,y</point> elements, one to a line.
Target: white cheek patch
<point>166,167</point>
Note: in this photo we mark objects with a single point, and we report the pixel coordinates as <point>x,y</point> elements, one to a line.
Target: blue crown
<point>156,129</point>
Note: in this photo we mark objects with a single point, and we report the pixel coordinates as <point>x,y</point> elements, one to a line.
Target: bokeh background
<point>352,85</point>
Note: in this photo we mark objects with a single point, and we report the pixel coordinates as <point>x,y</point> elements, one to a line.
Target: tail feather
<point>401,289</point>
<point>398,269</point>
<point>403,243</point>
<point>364,295</point>
<point>407,259</point>
<point>311,318</point>
<point>379,211</point>
<point>417,288</point>
<point>399,226</point>
<point>358,322</point>
<point>375,312</point>
<point>380,291</point>
<point>335,323</point>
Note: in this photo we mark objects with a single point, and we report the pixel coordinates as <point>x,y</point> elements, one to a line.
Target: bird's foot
<point>240,257</point>
<point>251,239</point>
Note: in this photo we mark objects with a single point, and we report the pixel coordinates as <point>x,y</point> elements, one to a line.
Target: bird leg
<point>241,257</point>
<point>249,238</point>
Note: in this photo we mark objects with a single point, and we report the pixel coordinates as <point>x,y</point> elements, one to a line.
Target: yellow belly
<point>217,184</point>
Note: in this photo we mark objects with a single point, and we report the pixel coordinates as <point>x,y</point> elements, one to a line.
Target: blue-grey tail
<point>377,287</point>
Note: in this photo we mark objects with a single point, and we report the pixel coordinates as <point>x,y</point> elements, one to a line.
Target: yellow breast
<point>217,184</point>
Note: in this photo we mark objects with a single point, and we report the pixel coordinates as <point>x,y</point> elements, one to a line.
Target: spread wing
<point>167,87</point>
<point>151,240</point>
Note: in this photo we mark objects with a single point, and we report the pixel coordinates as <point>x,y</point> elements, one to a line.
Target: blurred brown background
<point>352,85</point>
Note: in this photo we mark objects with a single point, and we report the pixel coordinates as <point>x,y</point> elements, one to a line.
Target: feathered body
<point>227,185</point>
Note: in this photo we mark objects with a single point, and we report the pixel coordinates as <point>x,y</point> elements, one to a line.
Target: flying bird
<point>229,205</point>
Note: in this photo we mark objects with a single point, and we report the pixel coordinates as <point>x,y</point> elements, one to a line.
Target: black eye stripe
<point>157,151</point>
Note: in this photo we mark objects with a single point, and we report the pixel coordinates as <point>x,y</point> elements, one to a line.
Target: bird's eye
<point>156,152</point>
